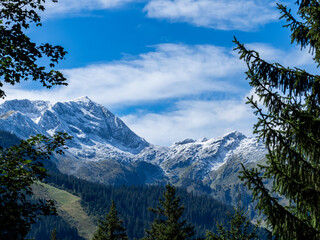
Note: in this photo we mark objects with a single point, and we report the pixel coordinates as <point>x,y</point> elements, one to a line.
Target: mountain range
<point>105,150</point>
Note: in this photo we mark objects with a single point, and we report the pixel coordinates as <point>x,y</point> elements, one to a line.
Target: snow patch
<point>99,135</point>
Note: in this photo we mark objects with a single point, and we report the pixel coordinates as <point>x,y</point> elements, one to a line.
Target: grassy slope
<point>69,208</point>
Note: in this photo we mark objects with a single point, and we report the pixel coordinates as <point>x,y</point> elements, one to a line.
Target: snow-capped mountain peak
<point>209,154</point>
<point>95,130</point>
<point>82,99</point>
<point>100,137</point>
<point>31,109</point>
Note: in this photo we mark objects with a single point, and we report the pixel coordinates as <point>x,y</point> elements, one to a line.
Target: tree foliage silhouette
<point>240,228</point>
<point>20,165</point>
<point>111,228</point>
<point>167,224</point>
<point>289,124</point>
<point>18,54</point>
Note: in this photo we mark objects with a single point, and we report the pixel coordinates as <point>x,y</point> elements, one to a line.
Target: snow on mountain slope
<point>19,124</point>
<point>97,133</point>
<point>31,109</point>
<point>197,159</point>
<point>100,137</point>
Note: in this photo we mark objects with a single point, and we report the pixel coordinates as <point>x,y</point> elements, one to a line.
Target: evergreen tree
<point>20,164</point>
<point>168,225</point>
<point>289,124</point>
<point>19,56</point>
<point>20,168</point>
<point>53,235</point>
<point>111,228</point>
<point>240,228</point>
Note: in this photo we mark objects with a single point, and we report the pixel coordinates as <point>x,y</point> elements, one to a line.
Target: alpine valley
<point>105,150</point>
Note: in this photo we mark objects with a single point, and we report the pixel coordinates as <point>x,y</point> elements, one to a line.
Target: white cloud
<point>219,14</point>
<point>171,71</point>
<point>294,57</point>
<point>76,6</point>
<point>193,119</point>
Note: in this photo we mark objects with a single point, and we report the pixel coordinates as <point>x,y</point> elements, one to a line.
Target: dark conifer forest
<point>132,202</point>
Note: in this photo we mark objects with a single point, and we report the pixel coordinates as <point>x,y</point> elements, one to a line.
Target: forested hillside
<point>7,139</point>
<point>42,229</point>
<point>132,204</point>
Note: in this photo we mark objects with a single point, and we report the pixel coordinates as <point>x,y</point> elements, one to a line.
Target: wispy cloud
<point>292,58</point>
<point>244,15</point>
<point>219,14</point>
<point>182,75</point>
<point>171,71</point>
<point>76,6</point>
<point>193,119</point>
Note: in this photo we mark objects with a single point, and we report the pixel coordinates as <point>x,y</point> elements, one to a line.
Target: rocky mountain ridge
<point>104,149</point>
<point>95,130</point>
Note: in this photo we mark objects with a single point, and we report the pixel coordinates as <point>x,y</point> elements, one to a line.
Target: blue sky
<point>166,67</point>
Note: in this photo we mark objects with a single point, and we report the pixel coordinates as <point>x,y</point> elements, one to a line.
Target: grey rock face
<point>104,149</point>
<point>95,130</point>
